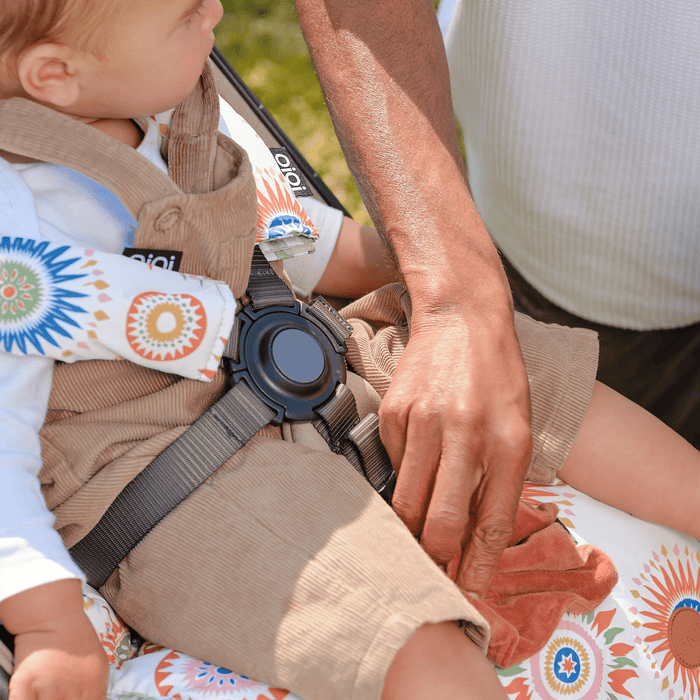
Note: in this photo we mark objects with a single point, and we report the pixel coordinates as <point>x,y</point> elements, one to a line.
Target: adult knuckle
<point>408,512</point>
<point>447,521</point>
<point>392,411</point>
<point>515,439</point>
<point>519,434</point>
<point>493,536</point>
<point>440,549</point>
<point>477,577</point>
<point>464,416</point>
<point>442,533</point>
<point>427,407</point>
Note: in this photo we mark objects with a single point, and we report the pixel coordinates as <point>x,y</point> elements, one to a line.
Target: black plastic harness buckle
<point>291,356</point>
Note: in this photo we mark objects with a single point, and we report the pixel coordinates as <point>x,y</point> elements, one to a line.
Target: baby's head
<point>79,23</point>
<point>105,58</point>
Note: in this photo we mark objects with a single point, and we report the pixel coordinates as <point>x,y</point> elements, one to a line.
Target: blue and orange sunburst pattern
<point>201,680</point>
<point>284,229</point>
<point>642,642</point>
<point>583,660</point>
<point>69,303</point>
<point>669,591</point>
<point>36,304</point>
<point>589,656</point>
<point>282,222</point>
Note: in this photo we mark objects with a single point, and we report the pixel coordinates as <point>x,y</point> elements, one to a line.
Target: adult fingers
<point>491,523</point>
<point>458,476</point>
<point>416,457</point>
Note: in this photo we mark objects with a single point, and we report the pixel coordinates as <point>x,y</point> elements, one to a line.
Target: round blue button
<point>298,355</point>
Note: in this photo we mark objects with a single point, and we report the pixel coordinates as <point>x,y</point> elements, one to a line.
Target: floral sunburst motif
<point>165,326</point>
<point>581,661</point>
<point>16,289</point>
<point>201,675</point>
<point>534,494</point>
<point>35,305</point>
<point>668,587</point>
<point>277,208</point>
<point>179,675</point>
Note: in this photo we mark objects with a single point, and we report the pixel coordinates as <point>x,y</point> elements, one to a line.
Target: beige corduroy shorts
<point>285,565</point>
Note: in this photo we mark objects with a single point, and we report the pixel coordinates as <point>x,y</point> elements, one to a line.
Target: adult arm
<point>456,417</point>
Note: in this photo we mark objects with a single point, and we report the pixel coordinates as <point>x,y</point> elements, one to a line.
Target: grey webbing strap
<point>339,415</point>
<point>322,311</point>
<point>231,349</point>
<point>207,444</point>
<point>357,440</point>
<point>169,479</point>
<point>265,288</point>
<point>377,466</point>
<point>335,420</point>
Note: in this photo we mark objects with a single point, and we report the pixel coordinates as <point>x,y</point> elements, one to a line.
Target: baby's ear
<point>47,72</point>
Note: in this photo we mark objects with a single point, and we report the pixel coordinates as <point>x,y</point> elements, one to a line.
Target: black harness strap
<point>265,288</point>
<point>246,408</point>
<point>169,479</point>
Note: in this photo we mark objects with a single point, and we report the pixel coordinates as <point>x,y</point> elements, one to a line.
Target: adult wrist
<point>461,290</point>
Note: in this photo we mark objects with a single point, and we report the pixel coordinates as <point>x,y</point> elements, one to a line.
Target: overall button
<point>168,219</point>
<point>298,355</point>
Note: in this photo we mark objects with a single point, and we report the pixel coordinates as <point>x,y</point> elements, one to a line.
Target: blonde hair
<point>83,24</point>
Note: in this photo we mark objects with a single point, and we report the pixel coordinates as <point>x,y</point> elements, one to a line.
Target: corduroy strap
<point>32,130</point>
<point>190,146</point>
<point>35,131</point>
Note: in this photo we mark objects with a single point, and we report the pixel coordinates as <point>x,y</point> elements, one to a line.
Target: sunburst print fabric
<point>70,303</point>
<point>284,230</point>
<point>642,642</point>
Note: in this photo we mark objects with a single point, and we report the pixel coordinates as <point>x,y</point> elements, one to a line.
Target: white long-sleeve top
<point>75,230</point>
<point>580,121</point>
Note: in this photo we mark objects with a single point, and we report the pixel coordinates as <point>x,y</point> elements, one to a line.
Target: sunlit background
<point>262,41</point>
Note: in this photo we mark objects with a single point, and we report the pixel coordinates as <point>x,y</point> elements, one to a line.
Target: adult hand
<point>456,424</point>
<point>456,417</point>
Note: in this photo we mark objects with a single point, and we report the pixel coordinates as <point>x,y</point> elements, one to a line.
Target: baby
<point>111,65</point>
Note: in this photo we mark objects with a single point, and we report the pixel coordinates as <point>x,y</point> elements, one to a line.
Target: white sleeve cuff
<point>24,567</point>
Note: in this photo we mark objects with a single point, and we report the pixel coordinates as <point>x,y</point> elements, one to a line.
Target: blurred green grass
<point>261,39</point>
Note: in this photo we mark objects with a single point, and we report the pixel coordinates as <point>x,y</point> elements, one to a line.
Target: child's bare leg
<point>629,459</point>
<point>439,661</point>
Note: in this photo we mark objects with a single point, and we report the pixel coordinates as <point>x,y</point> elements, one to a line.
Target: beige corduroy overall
<point>285,565</point>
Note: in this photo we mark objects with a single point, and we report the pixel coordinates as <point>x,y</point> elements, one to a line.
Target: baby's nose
<point>213,17</point>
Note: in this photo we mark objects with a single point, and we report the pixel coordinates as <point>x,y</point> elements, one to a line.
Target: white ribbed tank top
<point>581,121</point>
